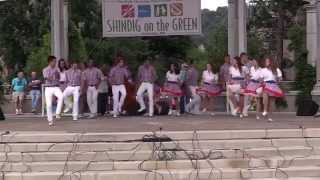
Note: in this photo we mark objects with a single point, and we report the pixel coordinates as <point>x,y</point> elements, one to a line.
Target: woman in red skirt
<point>254,88</point>
<point>271,76</point>
<point>209,87</point>
<point>172,89</point>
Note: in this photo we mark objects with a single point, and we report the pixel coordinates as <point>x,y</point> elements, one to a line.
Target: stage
<point>167,123</point>
<point>187,148</point>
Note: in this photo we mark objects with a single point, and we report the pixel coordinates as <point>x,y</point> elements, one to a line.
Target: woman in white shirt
<point>271,75</point>
<point>63,67</point>
<point>209,87</point>
<point>254,88</point>
<point>172,88</point>
<point>236,84</point>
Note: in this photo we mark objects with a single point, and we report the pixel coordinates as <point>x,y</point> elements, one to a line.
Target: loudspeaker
<point>307,108</point>
<point>2,117</point>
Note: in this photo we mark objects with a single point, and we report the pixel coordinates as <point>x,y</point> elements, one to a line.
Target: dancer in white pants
<point>92,76</point>
<point>193,106</point>
<point>117,77</point>
<point>146,76</point>
<point>51,76</point>
<point>73,80</point>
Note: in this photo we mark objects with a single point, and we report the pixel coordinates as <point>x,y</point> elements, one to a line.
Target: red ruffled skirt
<point>172,89</point>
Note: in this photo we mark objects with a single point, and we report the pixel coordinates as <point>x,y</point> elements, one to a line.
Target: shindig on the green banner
<point>177,24</point>
<point>151,18</point>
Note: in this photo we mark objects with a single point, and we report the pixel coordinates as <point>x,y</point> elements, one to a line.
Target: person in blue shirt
<point>19,85</point>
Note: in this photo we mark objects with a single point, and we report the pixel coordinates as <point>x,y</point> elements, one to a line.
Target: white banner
<point>126,18</point>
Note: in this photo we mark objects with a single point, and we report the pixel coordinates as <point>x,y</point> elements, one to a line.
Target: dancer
<point>224,72</point>
<point>92,76</point>
<point>209,87</point>
<point>146,77</point>
<point>253,89</point>
<point>118,75</point>
<point>62,69</point>
<point>172,89</point>
<point>83,105</point>
<point>235,85</point>
<point>103,91</point>
<point>35,91</point>
<point>73,82</point>
<point>51,75</point>
<point>183,75</point>
<point>193,106</point>
<point>271,75</point>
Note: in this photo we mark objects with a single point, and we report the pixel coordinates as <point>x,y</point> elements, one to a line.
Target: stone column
<point>242,26</point>
<point>311,13</point>
<point>237,27</point>
<point>59,28</point>
<point>316,90</point>
<point>232,27</point>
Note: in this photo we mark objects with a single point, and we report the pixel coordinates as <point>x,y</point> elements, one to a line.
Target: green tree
<point>217,46</point>
<point>306,74</point>
<point>37,60</point>
<point>22,24</point>
<point>77,47</point>
<point>275,16</point>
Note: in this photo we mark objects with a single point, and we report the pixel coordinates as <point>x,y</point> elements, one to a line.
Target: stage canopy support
<point>237,27</point>
<point>59,28</point>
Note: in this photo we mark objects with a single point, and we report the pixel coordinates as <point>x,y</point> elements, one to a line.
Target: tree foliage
<point>275,17</point>
<point>37,59</point>
<point>306,73</point>
<point>22,25</point>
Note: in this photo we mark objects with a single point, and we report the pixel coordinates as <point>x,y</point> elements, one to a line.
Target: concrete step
<point>188,174</point>
<point>188,145</point>
<point>140,155</point>
<point>58,137</point>
<point>254,163</point>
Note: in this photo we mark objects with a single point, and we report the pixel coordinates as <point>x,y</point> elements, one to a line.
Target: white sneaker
<point>58,116</point>
<point>141,109</point>
<point>170,112</point>
<point>51,123</point>
<point>178,113</point>
<point>245,115</point>
<point>66,110</point>
<point>17,111</point>
<point>150,115</point>
<point>241,116</point>
<point>91,116</point>
<point>115,115</point>
<point>204,110</point>
<point>235,112</point>
<point>270,120</point>
<point>212,114</point>
<point>20,111</point>
<point>258,117</point>
<point>75,118</point>
<point>264,113</point>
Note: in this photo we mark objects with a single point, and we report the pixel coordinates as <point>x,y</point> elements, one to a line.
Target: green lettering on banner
<point>185,24</point>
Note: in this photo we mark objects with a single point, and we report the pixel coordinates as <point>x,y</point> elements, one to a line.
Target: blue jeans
<point>35,96</point>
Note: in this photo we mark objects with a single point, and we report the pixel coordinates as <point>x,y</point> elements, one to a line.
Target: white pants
<point>75,92</point>
<point>49,93</point>
<point>146,87</point>
<point>118,102</point>
<point>233,88</point>
<point>194,105</point>
<point>92,99</point>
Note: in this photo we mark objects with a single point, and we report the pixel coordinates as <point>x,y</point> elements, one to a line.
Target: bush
<point>306,73</point>
<point>38,57</point>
